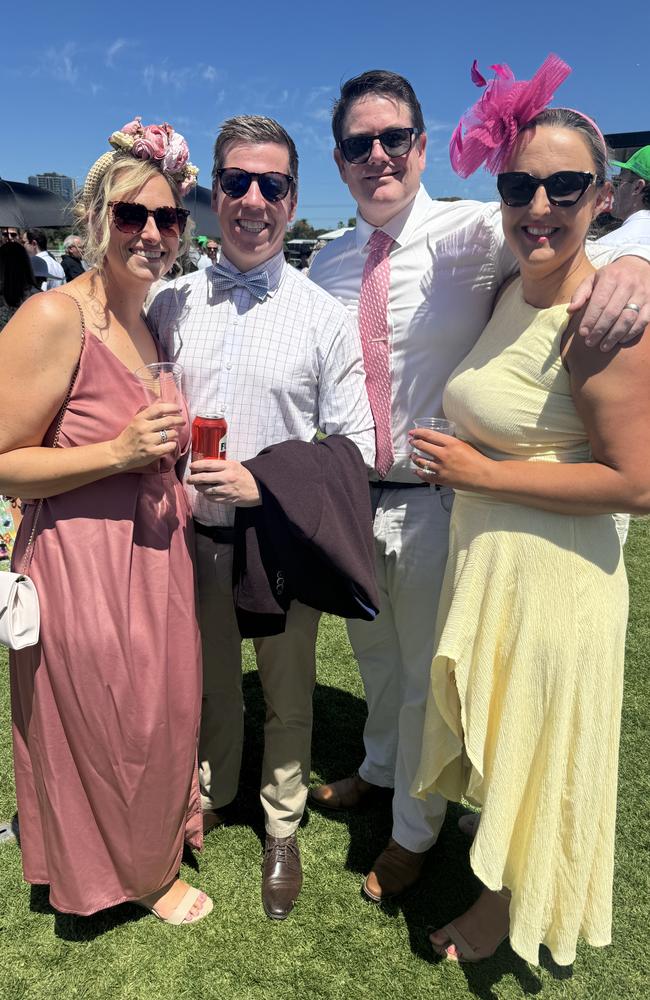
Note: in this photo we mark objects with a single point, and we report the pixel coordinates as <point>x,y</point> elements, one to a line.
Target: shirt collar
<point>275,268</point>
<point>643,213</point>
<point>399,227</point>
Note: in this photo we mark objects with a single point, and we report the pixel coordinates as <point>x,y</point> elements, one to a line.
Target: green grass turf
<point>334,945</point>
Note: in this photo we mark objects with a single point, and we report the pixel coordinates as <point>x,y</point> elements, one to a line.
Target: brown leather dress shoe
<point>394,871</point>
<point>282,878</point>
<point>347,793</point>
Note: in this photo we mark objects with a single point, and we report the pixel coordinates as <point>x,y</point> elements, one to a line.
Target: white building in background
<point>59,184</point>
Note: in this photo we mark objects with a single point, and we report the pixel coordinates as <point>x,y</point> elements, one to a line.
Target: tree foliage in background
<point>303,230</point>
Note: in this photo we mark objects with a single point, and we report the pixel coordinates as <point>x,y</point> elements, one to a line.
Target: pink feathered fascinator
<point>486,134</point>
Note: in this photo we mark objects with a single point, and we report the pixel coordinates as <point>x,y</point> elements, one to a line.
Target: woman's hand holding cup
<point>150,435</point>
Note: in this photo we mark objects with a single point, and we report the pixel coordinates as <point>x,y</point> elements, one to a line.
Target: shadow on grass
<point>70,927</point>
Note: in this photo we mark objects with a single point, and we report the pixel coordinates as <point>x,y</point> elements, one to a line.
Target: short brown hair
<point>375,83</point>
<point>254,130</point>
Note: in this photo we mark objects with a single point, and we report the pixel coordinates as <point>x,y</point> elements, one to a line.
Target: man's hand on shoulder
<point>609,294</point>
<point>225,482</point>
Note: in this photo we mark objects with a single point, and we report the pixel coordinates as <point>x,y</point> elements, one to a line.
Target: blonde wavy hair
<point>124,176</point>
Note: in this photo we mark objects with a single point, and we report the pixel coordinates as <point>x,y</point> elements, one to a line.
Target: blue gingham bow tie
<point>257,284</point>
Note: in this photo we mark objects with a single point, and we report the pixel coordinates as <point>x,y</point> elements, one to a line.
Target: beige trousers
<point>287,668</point>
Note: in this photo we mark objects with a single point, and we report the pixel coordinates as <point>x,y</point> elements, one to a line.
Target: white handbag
<point>20,614</point>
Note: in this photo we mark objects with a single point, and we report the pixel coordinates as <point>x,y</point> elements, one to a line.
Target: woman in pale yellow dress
<point>523,715</point>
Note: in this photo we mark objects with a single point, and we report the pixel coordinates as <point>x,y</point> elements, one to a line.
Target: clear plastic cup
<point>162,381</point>
<point>434,424</point>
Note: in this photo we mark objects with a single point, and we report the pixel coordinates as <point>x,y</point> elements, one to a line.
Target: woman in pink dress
<point>106,706</point>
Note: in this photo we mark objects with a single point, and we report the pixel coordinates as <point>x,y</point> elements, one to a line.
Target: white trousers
<point>411,528</point>
<point>622,522</point>
<point>286,665</point>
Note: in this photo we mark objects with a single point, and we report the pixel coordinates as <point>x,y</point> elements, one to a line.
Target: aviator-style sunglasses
<point>235,182</point>
<point>131,217</point>
<point>394,142</point>
<point>563,189</point>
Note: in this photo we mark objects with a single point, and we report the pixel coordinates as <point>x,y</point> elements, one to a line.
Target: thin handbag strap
<point>27,558</point>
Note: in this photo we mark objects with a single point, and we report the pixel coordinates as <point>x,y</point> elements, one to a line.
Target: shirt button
<point>228,367</point>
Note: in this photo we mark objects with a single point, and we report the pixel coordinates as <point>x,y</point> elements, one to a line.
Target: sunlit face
<point>384,185</point>
<point>252,229</point>
<point>541,235</point>
<point>149,255</point>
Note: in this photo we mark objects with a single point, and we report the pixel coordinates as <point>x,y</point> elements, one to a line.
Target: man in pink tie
<point>421,277</point>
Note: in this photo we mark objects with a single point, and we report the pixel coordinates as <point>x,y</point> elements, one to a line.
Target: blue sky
<point>72,73</point>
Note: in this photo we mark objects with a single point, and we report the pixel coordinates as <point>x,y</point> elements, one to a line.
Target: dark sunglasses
<point>563,189</point>
<point>394,142</point>
<point>131,217</point>
<point>235,182</point>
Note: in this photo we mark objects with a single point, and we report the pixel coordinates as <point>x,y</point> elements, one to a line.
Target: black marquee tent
<point>26,206</point>
<point>206,222</point>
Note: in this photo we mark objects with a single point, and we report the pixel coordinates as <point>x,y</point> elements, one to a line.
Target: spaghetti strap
<point>81,317</point>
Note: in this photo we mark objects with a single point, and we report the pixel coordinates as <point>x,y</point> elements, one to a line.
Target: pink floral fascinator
<point>486,134</point>
<point>159,143</point>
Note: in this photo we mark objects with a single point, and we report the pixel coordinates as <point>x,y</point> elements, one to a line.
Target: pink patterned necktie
<point>373,326</point>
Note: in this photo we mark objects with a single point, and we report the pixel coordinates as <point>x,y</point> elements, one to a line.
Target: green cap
<point>201,240</point>
<point>639,162</point>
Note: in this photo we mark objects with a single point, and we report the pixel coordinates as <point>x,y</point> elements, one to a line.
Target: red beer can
<point>209,436</point>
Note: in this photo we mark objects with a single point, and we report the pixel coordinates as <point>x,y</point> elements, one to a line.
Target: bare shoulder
<point>47,324</point>
<point>630,361</point>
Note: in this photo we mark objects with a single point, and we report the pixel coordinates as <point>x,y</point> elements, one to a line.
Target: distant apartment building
<point>59,184</point>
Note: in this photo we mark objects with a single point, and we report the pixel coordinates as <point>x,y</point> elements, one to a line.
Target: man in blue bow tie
<point>279,356</point>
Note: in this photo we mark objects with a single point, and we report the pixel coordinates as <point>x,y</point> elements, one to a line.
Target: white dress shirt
<point>635,229</point>
<point>54,269</point>
<point>449,260</point>
<point>279,369</point>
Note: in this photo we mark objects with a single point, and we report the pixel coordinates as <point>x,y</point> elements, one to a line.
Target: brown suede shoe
<point>282,877</point>
<point>211,819</point>
<point>347,793</point>
<point>394,871</point>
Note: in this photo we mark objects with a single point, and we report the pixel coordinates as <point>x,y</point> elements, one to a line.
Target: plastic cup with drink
<point>162,382</point>
<point>438,424</point>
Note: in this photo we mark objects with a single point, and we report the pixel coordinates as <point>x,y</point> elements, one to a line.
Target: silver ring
<point>163,436</point>
<point>633,306</point>
<point>430,469</point>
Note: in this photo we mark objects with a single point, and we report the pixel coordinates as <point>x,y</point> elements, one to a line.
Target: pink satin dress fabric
<point>106,707</point>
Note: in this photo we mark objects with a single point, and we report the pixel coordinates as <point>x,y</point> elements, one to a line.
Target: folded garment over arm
<point>309,540</point>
